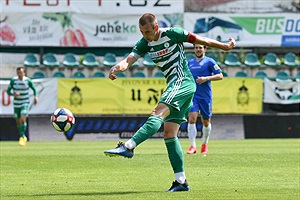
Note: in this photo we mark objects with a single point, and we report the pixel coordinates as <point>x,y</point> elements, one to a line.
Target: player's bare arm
<point>36,100</point>
<point>122,66</point>
<point>214,43</point>
<point>215,77</point>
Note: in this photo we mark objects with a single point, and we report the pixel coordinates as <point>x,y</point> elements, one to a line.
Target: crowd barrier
<point>124,126</point>
<point>272,126</point>
<point>8,129</point>
<point>253,126</point>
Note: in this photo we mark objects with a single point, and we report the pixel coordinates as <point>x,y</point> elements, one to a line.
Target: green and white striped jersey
<point>167,52</point>
<point>21,86</point>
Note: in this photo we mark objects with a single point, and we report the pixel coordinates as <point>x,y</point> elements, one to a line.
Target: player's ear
<point>156,27</point>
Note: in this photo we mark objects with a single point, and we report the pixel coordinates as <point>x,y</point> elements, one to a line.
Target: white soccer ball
<point>62,119</point>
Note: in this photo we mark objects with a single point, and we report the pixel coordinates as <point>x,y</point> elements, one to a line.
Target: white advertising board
<point>110,7</point>
<point>47,94</point>
<point>248,30</point>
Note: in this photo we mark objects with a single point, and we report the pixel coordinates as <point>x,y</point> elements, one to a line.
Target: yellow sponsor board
<point>104,96</point>
<point>141,95</point>
<point>237,95</point>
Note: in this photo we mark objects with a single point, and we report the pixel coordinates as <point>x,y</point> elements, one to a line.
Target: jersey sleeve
<point>10,87</point>
<point>31,85</point>
<point>140,48</point>
<point>214,66</point>
<point>180,35</point>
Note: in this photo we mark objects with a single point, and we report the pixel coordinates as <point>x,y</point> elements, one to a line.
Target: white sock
<point>180,177</point>
<point>206,132</point>
<point>192,133</point>
<point>130,144</point>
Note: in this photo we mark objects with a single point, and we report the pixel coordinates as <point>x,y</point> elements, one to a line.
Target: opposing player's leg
<point>206,113</point>
<point>192,131</point>
<point>206,129</point>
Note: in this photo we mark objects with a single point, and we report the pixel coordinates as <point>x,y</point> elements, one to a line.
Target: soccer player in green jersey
<point>165,47</point>
<point>19,88</point>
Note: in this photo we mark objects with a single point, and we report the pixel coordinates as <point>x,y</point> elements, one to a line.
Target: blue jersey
<point>206,67</point>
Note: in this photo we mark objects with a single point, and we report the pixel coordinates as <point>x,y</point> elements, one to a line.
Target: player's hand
<point>16,94</point>
<point>231,43</point>
<point>201,79</point>
<point>36,100</point>
<point>112,72</point>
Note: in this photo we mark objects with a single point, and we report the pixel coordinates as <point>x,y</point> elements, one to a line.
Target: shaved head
<point>148,18</point>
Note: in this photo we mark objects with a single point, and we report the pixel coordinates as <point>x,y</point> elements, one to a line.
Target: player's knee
<point>23,119</point>
<point>206,123</point>
<point>169,134</point>
<point>192,120</point>
<point>161,110</point>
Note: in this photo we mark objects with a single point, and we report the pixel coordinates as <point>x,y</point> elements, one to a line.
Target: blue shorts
<point>204,106</point>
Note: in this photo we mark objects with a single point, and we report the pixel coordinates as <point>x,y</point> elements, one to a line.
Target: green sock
<point>175,154</point>
<point>150,127</point>
<point>20,130</point>
<point>23,129</point>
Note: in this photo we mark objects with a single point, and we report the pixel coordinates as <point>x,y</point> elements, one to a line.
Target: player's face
<point>199,50</point>
<point>20,73</point>
<point>148,32</point>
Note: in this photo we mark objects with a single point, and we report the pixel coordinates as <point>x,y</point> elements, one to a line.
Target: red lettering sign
<point>30,4</point>
<point>4,97</point>
<point>48,3</point>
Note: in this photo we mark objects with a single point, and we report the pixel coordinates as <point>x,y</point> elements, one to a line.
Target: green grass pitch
<point>234,169</point>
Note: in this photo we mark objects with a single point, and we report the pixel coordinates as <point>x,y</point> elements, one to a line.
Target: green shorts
<point>178,97</point>
<point>22,111</point>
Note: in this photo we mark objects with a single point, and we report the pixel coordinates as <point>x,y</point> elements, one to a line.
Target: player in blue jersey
<point>166,49</point>
<point>204,70</point>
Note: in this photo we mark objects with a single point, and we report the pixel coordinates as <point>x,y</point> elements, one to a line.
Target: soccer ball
<point>62,119</point>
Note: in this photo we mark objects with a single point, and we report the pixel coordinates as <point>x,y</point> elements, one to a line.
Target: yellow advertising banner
<point>104,96</point>
<point>141,95</point>
<point>237,95</point>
